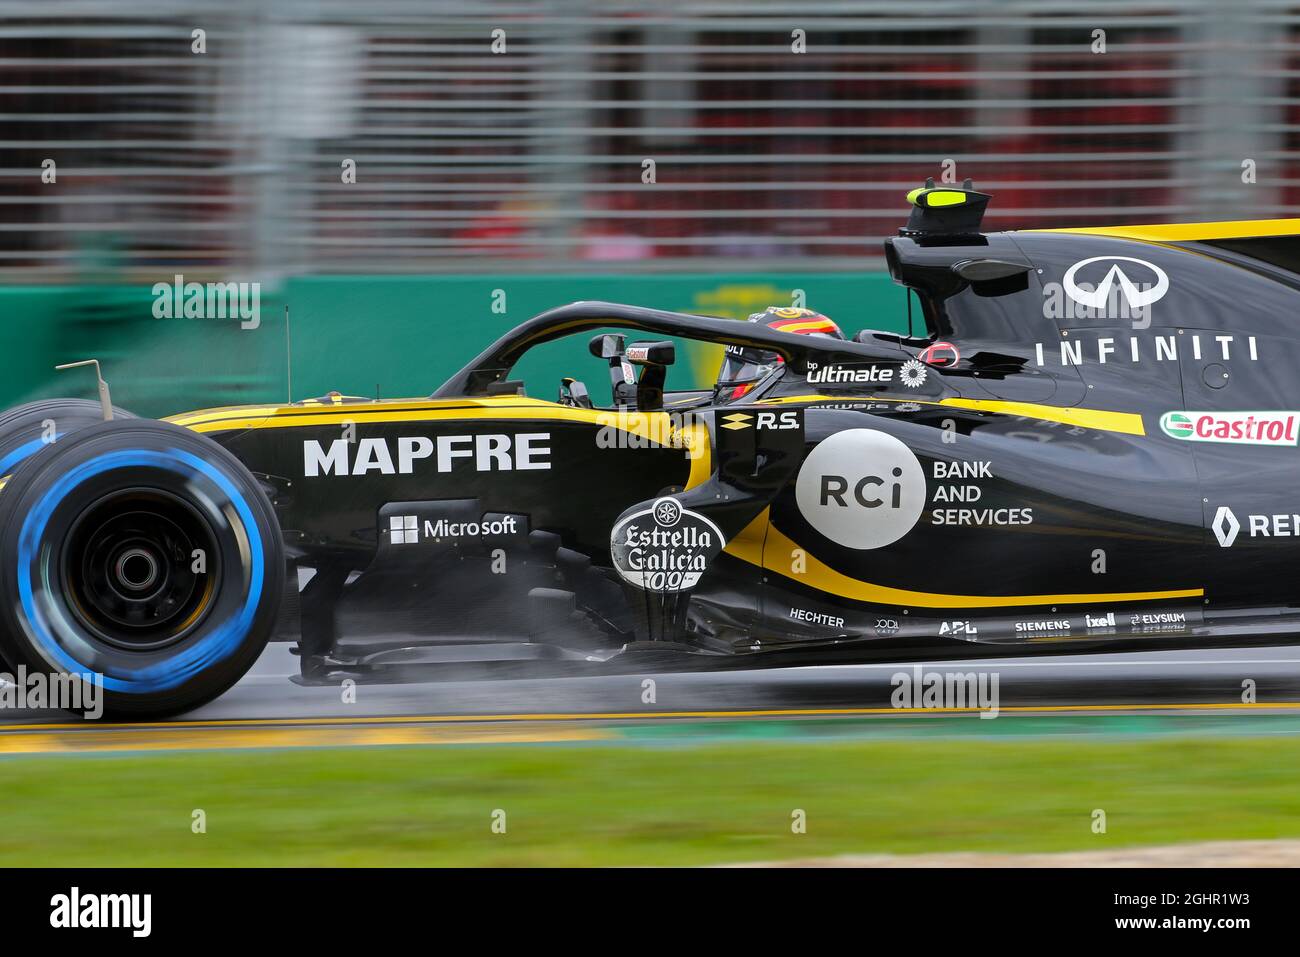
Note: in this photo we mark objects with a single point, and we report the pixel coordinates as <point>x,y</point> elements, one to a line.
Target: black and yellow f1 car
<point>1086,439</point>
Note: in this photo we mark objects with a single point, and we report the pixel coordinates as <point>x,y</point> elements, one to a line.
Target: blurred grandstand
<point>531,160</point>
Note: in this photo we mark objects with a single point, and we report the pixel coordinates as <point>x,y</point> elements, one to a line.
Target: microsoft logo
<point>403,530</point>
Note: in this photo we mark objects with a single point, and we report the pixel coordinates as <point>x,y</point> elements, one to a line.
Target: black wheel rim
<point>140,569</point>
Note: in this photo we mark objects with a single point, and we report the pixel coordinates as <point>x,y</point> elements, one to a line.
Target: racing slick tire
<point>28,428</point>
<point>31,427</point>
<point>141,553</point>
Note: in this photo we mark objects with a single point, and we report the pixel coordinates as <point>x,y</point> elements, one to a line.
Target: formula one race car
<point>1086,439</point>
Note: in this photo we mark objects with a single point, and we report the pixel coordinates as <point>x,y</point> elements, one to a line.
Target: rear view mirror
<point>661,353</point>
<point>991,278</point>
<point>987,270</point>
<point>606,346</point>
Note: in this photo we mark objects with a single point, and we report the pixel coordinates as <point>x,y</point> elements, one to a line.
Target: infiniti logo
<point>1135,298</point>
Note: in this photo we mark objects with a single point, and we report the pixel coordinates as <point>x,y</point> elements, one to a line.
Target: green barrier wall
<point>400,336</point>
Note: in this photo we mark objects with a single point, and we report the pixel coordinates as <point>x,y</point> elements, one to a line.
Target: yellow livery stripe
<point>751,546</point>
<point>1128,423</point>
<point>1189,232</point>
<point>640,423</point>
<point>313,408</point>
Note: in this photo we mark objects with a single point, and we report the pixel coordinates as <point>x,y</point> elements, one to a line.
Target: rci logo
<point>861,488</point>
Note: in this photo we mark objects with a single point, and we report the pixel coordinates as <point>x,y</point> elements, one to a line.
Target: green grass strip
<point>628,805</point>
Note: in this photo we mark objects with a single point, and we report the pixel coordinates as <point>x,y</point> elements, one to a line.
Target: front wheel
<point>142,553</point>
<point>30,428</point>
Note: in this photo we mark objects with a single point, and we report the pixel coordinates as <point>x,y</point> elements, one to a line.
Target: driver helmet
<point>744,367</point>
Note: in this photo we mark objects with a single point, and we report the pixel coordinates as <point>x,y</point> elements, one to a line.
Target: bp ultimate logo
<point>1232,428</point>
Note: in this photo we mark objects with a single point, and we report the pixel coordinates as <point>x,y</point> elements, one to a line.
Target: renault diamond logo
<point>1135,297</point>
<point>1225,527</point>
<point>737,420</point>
